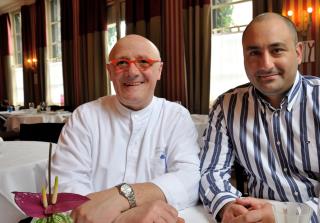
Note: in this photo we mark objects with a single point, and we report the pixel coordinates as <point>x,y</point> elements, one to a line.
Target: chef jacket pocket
<point>159,165</point>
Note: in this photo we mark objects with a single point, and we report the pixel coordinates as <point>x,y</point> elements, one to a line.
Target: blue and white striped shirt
<point>279,148</point>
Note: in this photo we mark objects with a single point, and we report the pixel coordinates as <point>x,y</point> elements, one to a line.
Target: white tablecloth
<point>14,119</point>
<point>195,214</point>
<point>22,168</point>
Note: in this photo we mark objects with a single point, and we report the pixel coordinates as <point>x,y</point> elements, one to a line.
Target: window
<point>115,8</point>
<point>55,94</point>
<point>17,72</point>
<point>230,18</point>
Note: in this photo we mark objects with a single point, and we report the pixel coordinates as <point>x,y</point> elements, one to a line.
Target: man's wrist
<point>127,192</point>
<point>219,216</point>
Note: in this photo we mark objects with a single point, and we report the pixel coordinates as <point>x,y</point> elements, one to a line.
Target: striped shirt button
<point>296,193</point>
<point>278,143</point>
<point>276,114</point>
<point>285,169</point>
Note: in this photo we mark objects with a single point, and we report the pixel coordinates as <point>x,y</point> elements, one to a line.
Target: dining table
<point>22,168</point>
<point>32,116</point>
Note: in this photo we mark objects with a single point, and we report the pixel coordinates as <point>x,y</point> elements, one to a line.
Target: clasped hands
<point>249,209</point>
<point>109,208</point>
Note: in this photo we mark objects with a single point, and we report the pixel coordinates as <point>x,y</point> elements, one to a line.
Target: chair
<point>4,134</point>
<point>241,179</point>
<point>58,107</point>
<point>46,132</point>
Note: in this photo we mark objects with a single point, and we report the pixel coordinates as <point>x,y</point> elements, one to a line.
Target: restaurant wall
<point>311,36</point>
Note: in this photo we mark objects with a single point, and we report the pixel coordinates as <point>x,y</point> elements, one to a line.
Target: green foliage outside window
<point>222,17</point>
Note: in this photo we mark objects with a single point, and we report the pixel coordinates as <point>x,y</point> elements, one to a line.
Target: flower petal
<point>66,202</point>
<point>30,203</point>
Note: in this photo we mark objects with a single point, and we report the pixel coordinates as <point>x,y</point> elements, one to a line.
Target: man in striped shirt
<point>270,126</point>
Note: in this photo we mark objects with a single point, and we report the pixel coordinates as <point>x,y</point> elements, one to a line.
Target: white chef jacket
<point>104,144</point>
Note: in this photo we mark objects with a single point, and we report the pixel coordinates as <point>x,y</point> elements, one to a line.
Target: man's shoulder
<point>311,80</point>
<point>97,105</point>
<point>170,106</point>
<point>238,91</point>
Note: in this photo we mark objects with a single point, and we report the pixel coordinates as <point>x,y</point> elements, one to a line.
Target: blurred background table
<point>22,168</point>
<point>14,119</point>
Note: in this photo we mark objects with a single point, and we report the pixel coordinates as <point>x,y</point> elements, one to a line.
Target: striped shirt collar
<point>289,98</point>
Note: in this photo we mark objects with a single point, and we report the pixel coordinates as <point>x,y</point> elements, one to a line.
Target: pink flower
<point>31,203</point>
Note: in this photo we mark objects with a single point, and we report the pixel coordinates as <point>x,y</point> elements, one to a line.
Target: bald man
<point>133,154</point>
<point>270,126</point>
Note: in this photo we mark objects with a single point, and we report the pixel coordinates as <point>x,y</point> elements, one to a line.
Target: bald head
<point>277,18</point>
<point>133,40</point>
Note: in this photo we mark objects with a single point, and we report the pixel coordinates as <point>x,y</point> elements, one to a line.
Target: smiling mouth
<point>133,83</point>
<point>267,75</point>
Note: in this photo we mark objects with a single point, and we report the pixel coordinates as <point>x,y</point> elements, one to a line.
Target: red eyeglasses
<point>141,64</point>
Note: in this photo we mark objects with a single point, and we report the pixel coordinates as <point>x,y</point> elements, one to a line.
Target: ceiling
<point>11,5</point>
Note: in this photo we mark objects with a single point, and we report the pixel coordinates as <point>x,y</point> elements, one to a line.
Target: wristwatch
<point>127,192</point>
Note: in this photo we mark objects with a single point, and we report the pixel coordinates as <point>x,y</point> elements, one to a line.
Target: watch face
<point>126,189</point>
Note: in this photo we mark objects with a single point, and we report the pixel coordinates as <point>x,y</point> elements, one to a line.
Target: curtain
<point>312,49</point>
<point>83,25</point>
<point>33,33</point>
<point>260,6</point>
<point>197,36</point>
<point>167,24</point>
<point>175,80</point>
<point>145,19</point>
<point>6,54</point>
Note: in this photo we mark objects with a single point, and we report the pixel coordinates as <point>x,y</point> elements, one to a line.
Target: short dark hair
<point>267,15</point>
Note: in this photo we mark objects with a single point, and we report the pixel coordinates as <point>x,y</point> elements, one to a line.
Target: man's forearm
<point>146,192</point>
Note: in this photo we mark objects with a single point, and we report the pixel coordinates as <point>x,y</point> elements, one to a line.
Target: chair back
<point>46,132</point>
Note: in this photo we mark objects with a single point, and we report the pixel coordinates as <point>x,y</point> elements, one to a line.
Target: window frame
<point>54,83</point>
<point>229,29</point>
<point>50,23</point>
<point>222,78</point>
<point>14,34</point>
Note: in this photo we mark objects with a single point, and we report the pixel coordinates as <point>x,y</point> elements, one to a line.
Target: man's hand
<point>155,211</point>
<point>232,210</point>
<point>259,210</point>
<point>104,207</point>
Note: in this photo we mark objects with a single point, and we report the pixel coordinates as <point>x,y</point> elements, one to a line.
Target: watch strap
<point>127,192</point>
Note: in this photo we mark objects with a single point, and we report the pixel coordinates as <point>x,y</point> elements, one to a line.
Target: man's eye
<point>143,62</point>
<point>277,50</point>
<point>253,53</point>
<point>122,63</point>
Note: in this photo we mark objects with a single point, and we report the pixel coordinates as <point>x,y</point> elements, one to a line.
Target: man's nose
<point>266,60</point>
<point>133,69</point>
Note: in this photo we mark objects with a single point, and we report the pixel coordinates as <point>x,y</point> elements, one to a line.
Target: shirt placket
<point>133,149</point>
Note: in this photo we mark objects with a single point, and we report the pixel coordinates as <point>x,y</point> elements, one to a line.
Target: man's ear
<point>160,70</point>
<point>109,69</point>
<point>299,51</point>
